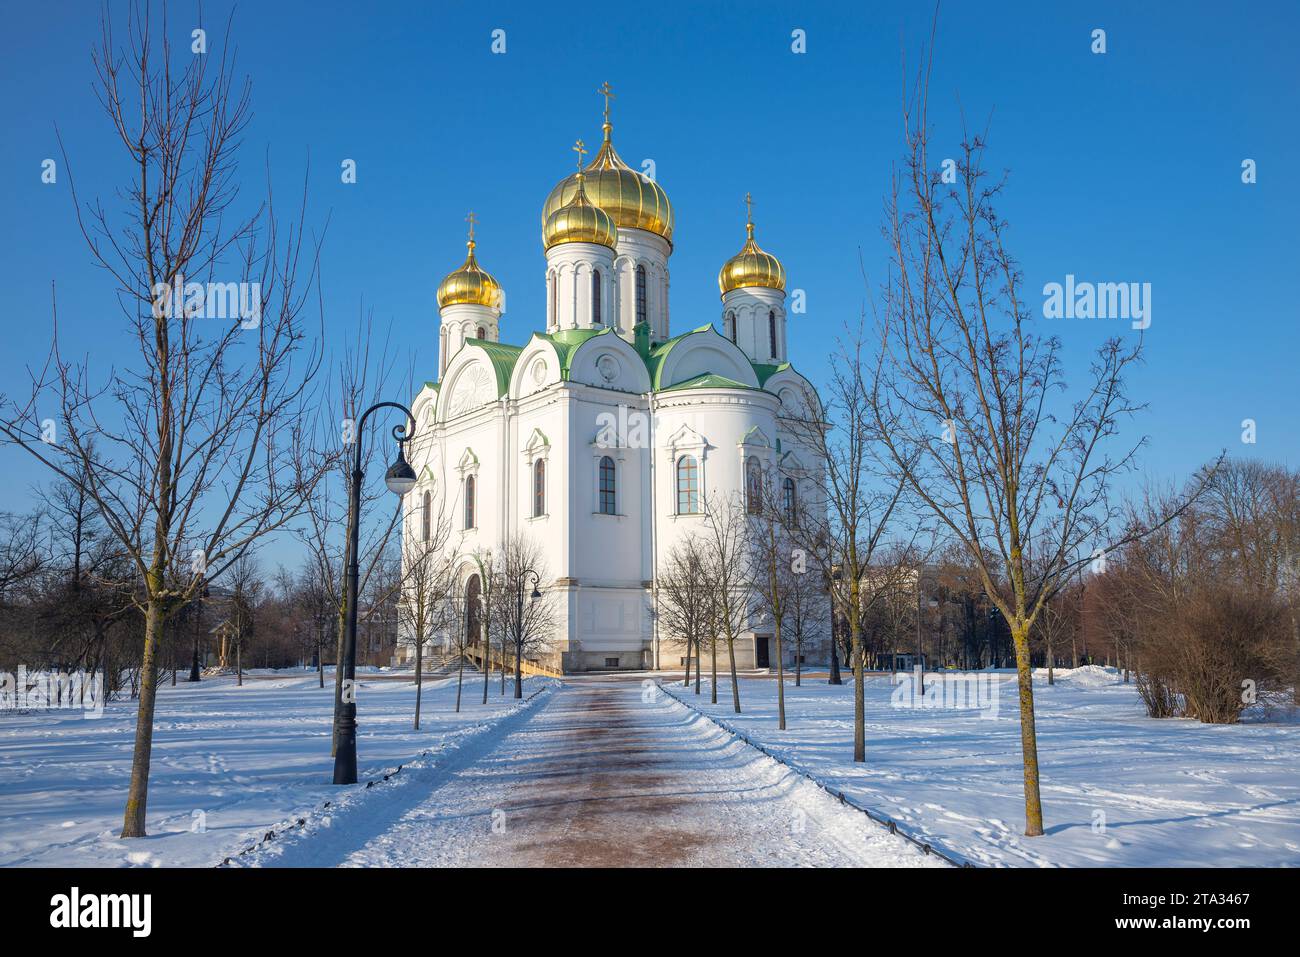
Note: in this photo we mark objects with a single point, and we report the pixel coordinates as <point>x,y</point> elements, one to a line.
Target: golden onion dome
<point>469,285</point>
<point>751,266</point>
<point>635,201</point>
<point>579,221</point>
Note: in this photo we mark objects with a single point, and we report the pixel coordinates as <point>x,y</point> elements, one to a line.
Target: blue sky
<point>1124,166</point>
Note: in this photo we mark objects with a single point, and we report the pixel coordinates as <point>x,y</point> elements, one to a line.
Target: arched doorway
<point>473,609</point>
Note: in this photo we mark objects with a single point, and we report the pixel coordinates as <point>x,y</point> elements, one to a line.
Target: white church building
<point>515,439</point>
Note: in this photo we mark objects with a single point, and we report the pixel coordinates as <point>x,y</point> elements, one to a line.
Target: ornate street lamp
<point>400,479</point>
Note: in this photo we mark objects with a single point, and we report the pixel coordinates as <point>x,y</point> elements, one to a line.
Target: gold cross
<point>749,209</point>
<point>608,93</point>
<point>581,150</point>
<point>471,219</point>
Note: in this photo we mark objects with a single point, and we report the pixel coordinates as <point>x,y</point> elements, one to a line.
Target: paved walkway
<point>595,775</point>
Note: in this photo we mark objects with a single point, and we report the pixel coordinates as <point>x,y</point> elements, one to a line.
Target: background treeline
<point>69,600</point>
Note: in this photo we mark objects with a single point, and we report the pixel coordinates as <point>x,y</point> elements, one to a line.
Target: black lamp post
<point>519,626</point>
<point>400,479</point>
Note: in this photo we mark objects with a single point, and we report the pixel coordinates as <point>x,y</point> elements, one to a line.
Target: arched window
<point>771,332</point>
<point>688,485</point>
<point>640,294</point>
<point>753,486</point>
<point>608,499</point>
<point>554,299</point>
<point>469,501</point>
<point>539,488</point>
<point>426,518</point>
<point>731,326</point>
<point>595,297</point>
<point>790,496</point>
<point>481,333</point>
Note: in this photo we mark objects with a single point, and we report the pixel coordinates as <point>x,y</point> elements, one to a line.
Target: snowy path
<point>593,775</point>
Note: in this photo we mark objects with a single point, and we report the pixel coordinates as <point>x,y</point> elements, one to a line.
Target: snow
<point>603,771</point>
<point>229,764</point>
<point>1118,788</point>
<point>608,769</point>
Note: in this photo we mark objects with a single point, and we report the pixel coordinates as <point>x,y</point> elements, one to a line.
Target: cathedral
<point>601,437</point>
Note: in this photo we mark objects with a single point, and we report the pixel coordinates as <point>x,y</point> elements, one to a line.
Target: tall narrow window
<point>554,299</point>
<point>482,333</point>
<point>426,517</point>
<point>753,486</point>
<point>608,499</point>
<point>469,501</point>
<point>688,485</point>
<point>539,488</point>
<point>640,294</point>
<point>791,496</point>
<point>771,333</point>
<point>731,326</point>
<point>595,297</point>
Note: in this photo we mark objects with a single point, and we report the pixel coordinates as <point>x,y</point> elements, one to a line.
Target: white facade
<point>498,409</point>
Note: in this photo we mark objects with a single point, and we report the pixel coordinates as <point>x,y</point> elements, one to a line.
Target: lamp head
<point>400,477</point>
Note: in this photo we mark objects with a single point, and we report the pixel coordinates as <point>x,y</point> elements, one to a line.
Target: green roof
<point>709,381</point>
<point>503,358</point>
<point>655,360</point>
<point>765,371</point>
<point>567,342</point>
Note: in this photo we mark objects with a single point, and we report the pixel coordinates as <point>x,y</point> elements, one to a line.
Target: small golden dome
<point>469,285</point>
<point>751,266</point>
<point>579,221</point>
<point>634,201</point>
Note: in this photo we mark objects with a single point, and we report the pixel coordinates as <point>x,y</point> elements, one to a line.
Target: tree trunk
<point>419,675</point>
<point>834,677</point>
<point>1028,735</point>
<point>735,682</point>
<point>519,672</point>
<point>338,677</point>
<point>798,660</point>
<point>780,676</point>
<point>686,682</point>
<point>699,664</point>
<point>460,680</point>
<point>503,662</point>
<point>713,668</point>
<point>859,687</point>
<point>137,795</point>
<point>239,663</point>
<point>1051,673</point>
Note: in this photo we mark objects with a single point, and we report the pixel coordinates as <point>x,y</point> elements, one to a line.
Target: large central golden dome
<point>634,201</point>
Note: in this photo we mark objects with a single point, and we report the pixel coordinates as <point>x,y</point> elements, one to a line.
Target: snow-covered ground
<point>598,773</point>
<point>1118,788</point>
<point>229,764</point>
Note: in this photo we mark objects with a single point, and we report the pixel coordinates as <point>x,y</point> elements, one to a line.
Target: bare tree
<point>197,451</point>
<point>858,522</point>
<point>360,377</point>
<point>684,598</point>
<point>246,589</point>
<point>428,581</point>
<point>489,577</point>
<point>727,549</point>
<point>965,400</point>
<point>526,623</point>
